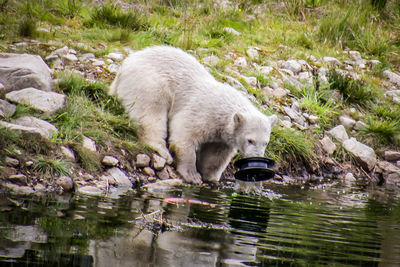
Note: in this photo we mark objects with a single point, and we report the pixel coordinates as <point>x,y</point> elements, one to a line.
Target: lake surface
<point>203,227</point>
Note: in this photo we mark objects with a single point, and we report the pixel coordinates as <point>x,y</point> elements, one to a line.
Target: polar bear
<point>176,101</point>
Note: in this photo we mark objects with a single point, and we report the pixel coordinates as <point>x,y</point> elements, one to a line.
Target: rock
<point>39,188</point>
<point>86,57</point>
<point>61,51</point>
<point>355,55</point>
<point>149,171</point>
<point>29,163</point>
<point>120,177</point>
<point>65,182</point>
<point>68,153</point>
<point>241,62</point>
<point>110,161</point>
<point>20,179</point>
<point>171,172</point>
<point>391,155</point>
<point>332,61</point>
<point>347,121</point>
<point>48,102</point>
<point>89,144</point>
<point>388,167</point>
<point>19,189</point>
<point>46,128</point>
<point>279,93</point>
<point>116,56</point>
<point>393,77</point>
<point>69,58</point>
<point>90,190</point>
<point>364,154</point>
<point>113,68</point>
<point>163,174</point>
<point>18,71</point>
<point>292,65</point>
<point>327,145</point>
<point>151,179</point>
<point>306,77</point>
<point>158,162</point>
<point>97,62</point>
<point>349,178</point>
<point>393,179</point>
<point>313,119</point>
<point>252,53</point>
<point>6,109</point>
<point>339,133</point>
<point>164,185</point>
<point>266,70</point>
<point>252,81</point>
<point>232,31</point>
<point>285,124</point>
<point>295,116</point>
<point>12,162</point>
<point>142,160</point>
<point>211,60</point>
<point>23,129</point>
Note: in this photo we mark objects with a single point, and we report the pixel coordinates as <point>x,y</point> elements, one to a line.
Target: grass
<point>354,92</point>
<point>51,167</point>
<point>290,147</point>
<point>386,132</point>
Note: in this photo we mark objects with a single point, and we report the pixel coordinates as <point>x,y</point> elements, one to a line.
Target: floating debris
<point>177,200</point>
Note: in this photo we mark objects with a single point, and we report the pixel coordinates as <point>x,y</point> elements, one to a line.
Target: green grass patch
<point>353,91</point>
<point>51,167</point>
<point>290,147</point>
<point>112,15</point>
<point>382,132</point>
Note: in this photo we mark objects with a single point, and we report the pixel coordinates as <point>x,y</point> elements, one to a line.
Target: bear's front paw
<point>192,177</point>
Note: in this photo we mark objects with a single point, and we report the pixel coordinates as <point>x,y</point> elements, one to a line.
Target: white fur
<point>171,95</point>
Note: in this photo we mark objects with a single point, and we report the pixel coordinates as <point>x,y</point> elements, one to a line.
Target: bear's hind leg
<point>212,160</point>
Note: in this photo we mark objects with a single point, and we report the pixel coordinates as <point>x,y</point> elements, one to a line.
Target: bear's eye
<point>251,141</point>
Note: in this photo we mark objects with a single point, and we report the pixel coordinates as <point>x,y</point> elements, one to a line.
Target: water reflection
<point>305,227</point>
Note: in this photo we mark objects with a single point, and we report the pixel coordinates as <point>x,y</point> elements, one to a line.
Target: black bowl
<point>254,169</point>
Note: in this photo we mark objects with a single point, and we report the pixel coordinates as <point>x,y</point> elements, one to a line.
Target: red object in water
<point>176,200</point>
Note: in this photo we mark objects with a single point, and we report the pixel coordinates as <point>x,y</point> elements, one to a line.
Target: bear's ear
<point>274,120</point>
<point>238,120</point>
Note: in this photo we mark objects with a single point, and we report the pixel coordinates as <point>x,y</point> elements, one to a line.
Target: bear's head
<point>252,132</point>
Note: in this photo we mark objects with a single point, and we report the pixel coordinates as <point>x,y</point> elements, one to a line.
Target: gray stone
<point>279,93</point>
<point>113,68</point>
<point>61,51</point>
<point>158,162</point>
<point>142,160</point>
<point>18,71</point>
<point>252,53</point>
<point>65,182</point>
<point>90,190</point>
<point>313,119</point>
<point>232,31</point>
<point>86,57</point>
<point>12,162</point>
<point>48,102</point>
<point>39,188</point>
<point>69,58</point>
<point>110,161</point>
<point>391,155</point>
<point>241,62</point>
<point>347,121</point>
<point>388,167</point>
<point>116,56</point>
<point>339,133</point>
<point>332,61</point>
<point>6,109</point>
<point>252,81</point>
<point>97,62</point>
<point>19,179</point>
<point>211,60</point>
<point>393,77</point>
<point>266,70</point>
<point>327,145</point>
<point>349,178</point>
<point>355,55</point>
<point>171,172</point>
<point>292,65</point>
<point>23,129</point>
<point>364,154</point>
<point>46,128</point>
<point>299,119</point>
<point>149,171</point>
<point>163,174</point>
<point>306,77</point>
<point>164,185</point>
<point>89,144</point>
<point>68,153</point>
<point>120,177</point>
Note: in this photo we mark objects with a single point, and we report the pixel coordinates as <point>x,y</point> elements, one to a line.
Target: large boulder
<point>48,102</point>
<point>364,154</point>
<point>18,71</point>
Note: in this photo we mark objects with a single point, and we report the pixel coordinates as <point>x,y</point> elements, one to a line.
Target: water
<point>287,226</point>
